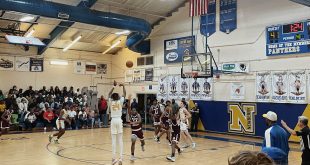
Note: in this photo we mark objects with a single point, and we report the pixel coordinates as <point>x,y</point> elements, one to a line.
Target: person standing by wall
<point>275,136</point>
<point>103,116</point>
<point>195,117</point>
<point>304,134</point>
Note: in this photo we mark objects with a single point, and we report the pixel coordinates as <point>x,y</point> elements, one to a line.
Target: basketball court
<point>94,147</point>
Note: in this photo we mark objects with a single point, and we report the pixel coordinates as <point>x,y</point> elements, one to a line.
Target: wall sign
<point>228,16</point>
<point>208,21</point>
<point>287,39</point>
<point>176,48</point>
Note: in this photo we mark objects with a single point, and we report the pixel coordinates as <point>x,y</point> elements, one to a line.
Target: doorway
<point>144,104</point>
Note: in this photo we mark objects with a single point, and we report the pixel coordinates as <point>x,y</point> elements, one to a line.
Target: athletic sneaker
<point>185,146</point>
<point>56,141</point>
<point>172,159</point>
<point>142,148</point>
<point>50,137</point>
<point>157,140</point>
<point>120,162</point>
<point>193,145</point>
<point>132,158</point>
<point>180,150</point>
<point>169,144</point>
<point>114,161</point>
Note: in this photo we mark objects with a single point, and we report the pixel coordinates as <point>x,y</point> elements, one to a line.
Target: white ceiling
<point>96,38</point>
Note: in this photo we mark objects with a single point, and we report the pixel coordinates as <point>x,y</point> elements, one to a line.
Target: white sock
<point>120,142</point>
<point>113,146</point>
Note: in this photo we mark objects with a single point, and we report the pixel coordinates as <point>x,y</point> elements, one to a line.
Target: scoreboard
<point>293,38</point>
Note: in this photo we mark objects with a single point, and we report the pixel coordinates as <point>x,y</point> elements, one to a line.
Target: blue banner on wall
<point>245,118</point>
<point>176,48</point>
<point>287,39</point>
<point>228,15</point>
<point>208,22</point>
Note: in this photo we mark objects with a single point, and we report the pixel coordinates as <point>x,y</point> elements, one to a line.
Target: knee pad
<point>133,138</point>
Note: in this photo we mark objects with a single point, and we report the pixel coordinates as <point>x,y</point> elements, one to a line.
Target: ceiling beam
<point>62,28</point>
<point>169,14</point>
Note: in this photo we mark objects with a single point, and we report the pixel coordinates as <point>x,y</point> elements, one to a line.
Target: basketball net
<point>192,74</point>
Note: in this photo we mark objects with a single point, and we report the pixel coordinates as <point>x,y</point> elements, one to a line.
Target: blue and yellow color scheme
<point>246,119</point>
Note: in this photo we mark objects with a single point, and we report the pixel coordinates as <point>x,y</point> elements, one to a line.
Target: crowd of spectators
<point>40,108</point>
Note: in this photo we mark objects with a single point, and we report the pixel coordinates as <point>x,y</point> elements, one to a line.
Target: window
<point>145,61</point>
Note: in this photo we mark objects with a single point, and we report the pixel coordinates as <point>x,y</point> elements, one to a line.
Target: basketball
<point>129,64</point>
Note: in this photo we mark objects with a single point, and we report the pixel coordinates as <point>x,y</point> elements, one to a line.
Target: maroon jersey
<point>156,112</point>
<point>136,129</point>
<point>165,119</point>
<point>175,135</point>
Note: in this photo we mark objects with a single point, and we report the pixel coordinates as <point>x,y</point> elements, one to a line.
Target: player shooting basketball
<point>116,102</point>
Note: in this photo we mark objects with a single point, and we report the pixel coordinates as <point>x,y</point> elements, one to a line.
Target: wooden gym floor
<point>93,147</point>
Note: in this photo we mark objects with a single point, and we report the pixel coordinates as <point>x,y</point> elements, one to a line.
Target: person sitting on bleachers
<point>49,117</point>
<point>30,120</point>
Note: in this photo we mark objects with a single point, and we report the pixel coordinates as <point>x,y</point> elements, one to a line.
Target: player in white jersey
<point>116,103</point>
<point>184,116</point>
<point>60,123</point>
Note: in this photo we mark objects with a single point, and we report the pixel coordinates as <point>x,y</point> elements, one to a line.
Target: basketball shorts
<point>60,124</point>
<point>156,121</point>
<point>183,126</point>
<point>175,137</point>
<point>139,134</point>
<point>116,125</point>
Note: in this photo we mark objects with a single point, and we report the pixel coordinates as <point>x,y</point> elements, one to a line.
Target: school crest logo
<point>242,118</point>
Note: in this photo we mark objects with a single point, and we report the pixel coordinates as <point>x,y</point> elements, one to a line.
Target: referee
<point>304,140</point>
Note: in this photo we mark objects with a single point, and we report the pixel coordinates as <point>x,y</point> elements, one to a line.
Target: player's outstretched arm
<point>288,128</point>
<point>111,91</point>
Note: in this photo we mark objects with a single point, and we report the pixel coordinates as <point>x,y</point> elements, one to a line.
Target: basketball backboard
<point>197,65</point>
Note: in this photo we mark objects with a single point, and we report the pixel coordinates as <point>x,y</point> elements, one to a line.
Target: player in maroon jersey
<point>136,129</point>
<point>165,123</point>
<point>156,113</point>
<point>175,135</point>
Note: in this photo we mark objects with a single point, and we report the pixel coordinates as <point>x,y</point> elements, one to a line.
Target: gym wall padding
<point>215,116</point>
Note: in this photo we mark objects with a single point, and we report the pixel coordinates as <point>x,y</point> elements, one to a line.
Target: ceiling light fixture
<point>59,62</point>
<point>26,18</point>
<point>111,47</point>
<point>72,43</point>
<point>122,32</point>
<point>30,33</point>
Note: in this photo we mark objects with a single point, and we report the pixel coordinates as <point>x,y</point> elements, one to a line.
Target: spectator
<point>13,91</point>
<point>304,134</point>
<point>195,117</point>
<point>103,116</point>
<point>275,136</point>
<point>5,121</point>
<point>72,116</point>
<point>51,91</point>
<point>84,99</point>
<point>64,91</point>
<point>57,91</point>
<point>175,106</point>
<point>71,92</point>
<point>78,92</point>
<point>82,118</point>
<point>43,91</point>
<point>49,117</point>
<point>22,103</point>
<point>2,107</point>
<point>250,158</point>
<point>1,95</point>
<point>91,118</point>
<point>30,120</point>
<point>28,92</point>
<point>134,104</point>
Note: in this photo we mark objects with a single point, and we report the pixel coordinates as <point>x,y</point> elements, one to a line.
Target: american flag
<point>198,7</point>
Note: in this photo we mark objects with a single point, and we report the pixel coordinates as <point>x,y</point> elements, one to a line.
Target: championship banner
<point>22,64</point>
<point>196,87</point>
<point>184,88</point>
<point>163,88</point>
<point>173,87</point>
<point>208,21</point>
<point>279,87</point>
<point>297,87</point>
<point>102,68</point>
<point>237,91</point>
<point>207,89</point>
<point>79,67</point>
<point>228,16</point>
<point>7,63</point>
<point>36,64</point>
<point>263,87</point>
<point>90,68</point>
<point>149,74</point>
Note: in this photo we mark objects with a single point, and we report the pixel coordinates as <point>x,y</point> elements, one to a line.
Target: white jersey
<point>182,115</point>
<point>116,107</point>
